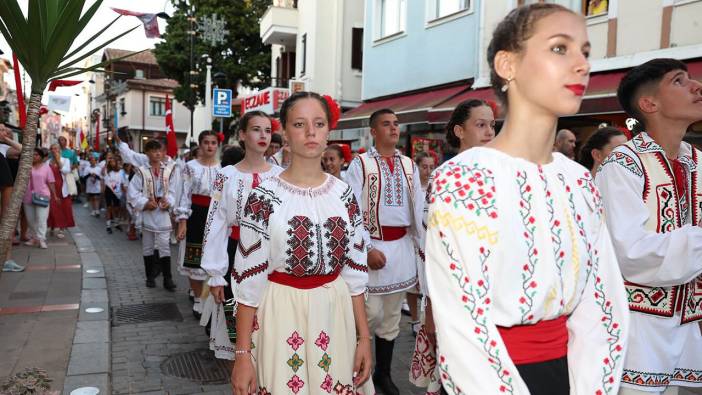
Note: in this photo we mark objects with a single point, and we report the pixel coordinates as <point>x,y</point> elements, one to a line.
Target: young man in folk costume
<point>387,187</point>
<point>652,191</point>
<point>152,191</point>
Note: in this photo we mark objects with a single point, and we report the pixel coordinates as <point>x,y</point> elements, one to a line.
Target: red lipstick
<point>261,144</point>
<point>577,89</point>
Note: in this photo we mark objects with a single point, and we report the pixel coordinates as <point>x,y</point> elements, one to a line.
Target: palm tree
<point>41,40</point>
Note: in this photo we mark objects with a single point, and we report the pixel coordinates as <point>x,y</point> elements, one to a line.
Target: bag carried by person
<point>39,199</point>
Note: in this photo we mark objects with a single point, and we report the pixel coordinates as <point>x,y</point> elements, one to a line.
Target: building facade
<point>422,58</point>
<point>317,45</point>
<point>131,94</point>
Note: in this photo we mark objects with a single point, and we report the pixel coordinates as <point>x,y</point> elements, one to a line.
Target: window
<point>157,106</point>
<point>122,110</point>
<point>595,7</point>
<point>441,8</point>
<point>392,17</point>
<point>304,54</point>
<point>357,48</point>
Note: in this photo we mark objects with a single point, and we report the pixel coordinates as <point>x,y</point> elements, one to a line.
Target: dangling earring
<point>506,85</point>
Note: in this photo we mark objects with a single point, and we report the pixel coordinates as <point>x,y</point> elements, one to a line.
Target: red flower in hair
<point>220,137</point>
<point>275,125</point>
<point>494,106</point>
<point>334,111</point>
<point>347,152</point>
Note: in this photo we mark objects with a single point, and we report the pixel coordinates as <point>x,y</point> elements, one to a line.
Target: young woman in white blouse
<point>230,191</point>
<point>525,288</point>
<point>301,273</point>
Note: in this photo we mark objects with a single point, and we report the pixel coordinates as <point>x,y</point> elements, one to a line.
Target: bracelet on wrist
<point>240,352</point>
<point>363,337</point>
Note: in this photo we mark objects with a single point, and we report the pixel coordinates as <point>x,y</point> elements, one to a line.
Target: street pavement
<point>39,310</point>
<point>141,351</point>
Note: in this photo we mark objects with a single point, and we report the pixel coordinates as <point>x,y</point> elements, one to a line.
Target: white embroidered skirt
<point>305,341</point>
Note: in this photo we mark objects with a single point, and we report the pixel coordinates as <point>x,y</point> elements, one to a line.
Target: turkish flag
<point>58,83</point>
<point>171,142</point>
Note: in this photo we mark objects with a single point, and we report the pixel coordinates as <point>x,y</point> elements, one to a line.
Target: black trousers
<point>546,378</point>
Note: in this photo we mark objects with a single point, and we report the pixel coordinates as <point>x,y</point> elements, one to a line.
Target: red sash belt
<point>201,200</point>
<point>392,233</point>
<point>235,233</point>
<point>306,282</point>
<point>543,341</point>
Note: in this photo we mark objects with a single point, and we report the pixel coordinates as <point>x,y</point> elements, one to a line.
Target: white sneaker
<point>42,244</point>
<point>85,205</point>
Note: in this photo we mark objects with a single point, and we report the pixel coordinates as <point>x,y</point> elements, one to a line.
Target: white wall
<point>135,106</point>
<point>686,24</point>
<point>350,87</point>
<point>638,26</point>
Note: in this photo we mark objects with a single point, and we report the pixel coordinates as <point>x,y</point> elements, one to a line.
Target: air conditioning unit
<point>297,86</point>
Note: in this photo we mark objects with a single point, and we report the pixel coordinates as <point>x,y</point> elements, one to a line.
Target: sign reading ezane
<point>222,103</point>
<point>268,100</point>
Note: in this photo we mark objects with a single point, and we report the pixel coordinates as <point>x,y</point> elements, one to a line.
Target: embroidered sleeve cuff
<point>217,281</point>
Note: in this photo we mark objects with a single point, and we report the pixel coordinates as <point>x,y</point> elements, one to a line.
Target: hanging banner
<point>59,103</point>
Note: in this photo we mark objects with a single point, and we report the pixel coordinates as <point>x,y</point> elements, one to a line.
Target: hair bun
<point>334,111</point>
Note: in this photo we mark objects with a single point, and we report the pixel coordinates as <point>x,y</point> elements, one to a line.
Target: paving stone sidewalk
<point>139,350</point>
<point>39,310</point>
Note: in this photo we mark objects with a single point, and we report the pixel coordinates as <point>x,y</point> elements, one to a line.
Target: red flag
<point>96,146</point>
<point>20,96</point>
<point>171,142</point>
<point>150,21</point>
<point>57,83</point>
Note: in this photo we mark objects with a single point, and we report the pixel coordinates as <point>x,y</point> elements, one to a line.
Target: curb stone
<point>89,363</point>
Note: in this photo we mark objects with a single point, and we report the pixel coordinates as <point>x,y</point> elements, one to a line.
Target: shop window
<point>357,48</point>
<point>595,7</point>
<point>441,8</point>
<point>157,106</point>
<point>391,17</point>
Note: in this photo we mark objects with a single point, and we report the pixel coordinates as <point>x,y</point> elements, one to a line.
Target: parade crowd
<point>525,267</point>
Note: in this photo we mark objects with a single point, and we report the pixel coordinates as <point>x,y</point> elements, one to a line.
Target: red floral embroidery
<point>322,341</point>
<point>327,384</point>
<point>556,229</point>
<point>526,302</point>
<point>295,340</point>
<point>471,187</point>
<point>295,384</point>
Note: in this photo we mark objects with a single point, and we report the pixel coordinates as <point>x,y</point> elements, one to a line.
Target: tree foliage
<point>242,57</point>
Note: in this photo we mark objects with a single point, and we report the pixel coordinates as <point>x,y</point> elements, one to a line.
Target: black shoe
<point>165,263</point>
<point>383,360</point>
<point>149,265</point>
<point>118,227</point>
<point>109,231</point>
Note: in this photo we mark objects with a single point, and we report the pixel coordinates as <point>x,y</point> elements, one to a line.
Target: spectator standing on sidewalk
<point>9,149</point>
<point>69,178</point>
<point>233,185</point>
<point>300,272</point>
<point>61,209</point>
<point>152,191</point>
<point>40,192</point>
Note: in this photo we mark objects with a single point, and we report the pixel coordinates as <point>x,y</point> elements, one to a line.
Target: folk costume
<point>221,237</point>
<point>654,208</point>
<point>300,259</point>
<point>390,194</point>
<point>525,289</point>
<point>159,184</point>
<point>197,181</point>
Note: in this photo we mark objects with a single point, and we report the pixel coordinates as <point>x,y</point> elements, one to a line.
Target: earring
<point>506,85</point>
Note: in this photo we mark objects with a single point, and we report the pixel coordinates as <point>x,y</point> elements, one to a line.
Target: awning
<point>409,108</point>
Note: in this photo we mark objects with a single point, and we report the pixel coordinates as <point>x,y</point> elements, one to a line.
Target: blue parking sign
<point>222,103</point>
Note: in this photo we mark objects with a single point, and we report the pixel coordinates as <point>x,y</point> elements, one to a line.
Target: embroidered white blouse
<point>513,243</point>
<point>196,179</point>
<point>229,194</point>
<point>301,232</point>
<point>156,220</point>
